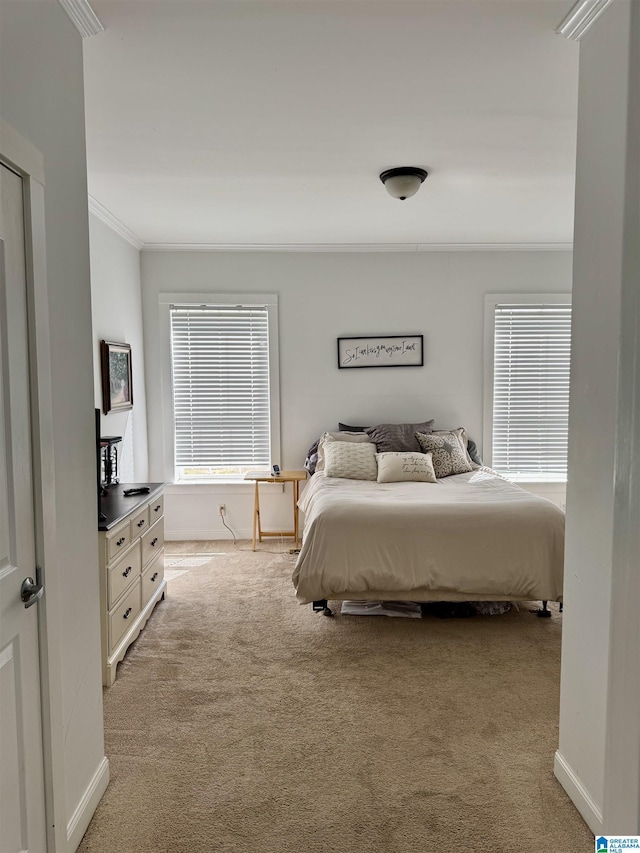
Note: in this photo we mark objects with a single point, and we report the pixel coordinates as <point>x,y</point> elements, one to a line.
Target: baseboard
<point>195,535</point>
<point>81,817</point>
<point>578,794</point>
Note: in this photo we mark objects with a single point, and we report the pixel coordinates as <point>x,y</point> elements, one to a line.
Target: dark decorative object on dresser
<point>109,459</point>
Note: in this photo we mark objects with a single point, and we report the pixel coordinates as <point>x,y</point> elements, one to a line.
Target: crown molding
<point>101,212</point>
<point>581,18</point>
<point>280,247</point>
<point>83,18</point>
<point>357,247</point>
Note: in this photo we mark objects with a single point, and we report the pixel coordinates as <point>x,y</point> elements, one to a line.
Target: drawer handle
<point>121,541</point>
<point>153,541</point>
<point>127,613</point>
<point>141,522</point>
<point>156,508</point>
<point>154,576</point>
<point>127,572</point>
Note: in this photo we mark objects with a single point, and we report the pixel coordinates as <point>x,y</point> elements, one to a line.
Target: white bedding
<point>471,536</point>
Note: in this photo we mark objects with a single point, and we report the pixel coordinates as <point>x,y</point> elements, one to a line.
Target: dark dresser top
<point>115,505</point>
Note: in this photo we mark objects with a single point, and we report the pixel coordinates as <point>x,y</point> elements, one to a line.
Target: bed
<point>472,536</point>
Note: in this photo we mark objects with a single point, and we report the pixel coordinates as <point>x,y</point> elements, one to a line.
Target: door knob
<point>31,590</point>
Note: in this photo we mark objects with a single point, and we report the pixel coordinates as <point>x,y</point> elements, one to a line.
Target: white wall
<point>597,432</point>
<point>42,98</point>
<point>116,299</point>
<point>326,295</point>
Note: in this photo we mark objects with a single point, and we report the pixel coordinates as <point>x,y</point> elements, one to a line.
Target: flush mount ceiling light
<point>403,181</point>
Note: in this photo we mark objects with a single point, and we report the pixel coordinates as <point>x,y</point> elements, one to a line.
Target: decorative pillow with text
<point>403,467</point>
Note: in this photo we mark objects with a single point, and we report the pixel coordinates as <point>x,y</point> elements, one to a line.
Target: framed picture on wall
<point>381,351</point>
<point>117,386</point>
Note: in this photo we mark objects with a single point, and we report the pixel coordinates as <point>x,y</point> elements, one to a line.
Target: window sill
<point>539,482</point>
<point>181,487</point>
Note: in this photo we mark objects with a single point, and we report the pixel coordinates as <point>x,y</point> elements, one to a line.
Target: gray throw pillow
<point>472,450</point>
<point>398,438</point>
<point>347,428</point>
<point>312,458</point>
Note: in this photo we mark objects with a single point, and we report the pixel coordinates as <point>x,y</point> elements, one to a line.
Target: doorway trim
<point>21,156</point>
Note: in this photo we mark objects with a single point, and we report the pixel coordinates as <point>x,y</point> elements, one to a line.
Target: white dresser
<point>131,537</point>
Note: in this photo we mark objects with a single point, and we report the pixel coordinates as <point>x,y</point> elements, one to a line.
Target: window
<point>222,387</point>
<point>527,395</point>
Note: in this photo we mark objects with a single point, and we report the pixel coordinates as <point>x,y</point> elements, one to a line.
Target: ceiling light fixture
<point>403,181</point>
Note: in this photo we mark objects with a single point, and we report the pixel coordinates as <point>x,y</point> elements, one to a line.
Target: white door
<point>22,812</point>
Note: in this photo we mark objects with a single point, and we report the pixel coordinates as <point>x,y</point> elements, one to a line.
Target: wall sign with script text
<point>376,351</point>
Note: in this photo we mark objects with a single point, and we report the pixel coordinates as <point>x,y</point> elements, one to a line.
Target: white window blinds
<point>220,373</point>
<point>532,347</point>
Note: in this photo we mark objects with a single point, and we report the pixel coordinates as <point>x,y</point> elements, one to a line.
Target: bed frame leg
<point>321,606</point>
<point>561,607</point>
<point>545,612</point>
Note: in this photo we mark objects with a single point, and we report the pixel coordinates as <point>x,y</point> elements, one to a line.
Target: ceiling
<point>267,122</point>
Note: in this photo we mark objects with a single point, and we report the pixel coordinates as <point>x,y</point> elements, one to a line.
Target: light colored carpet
<point>241,721</point>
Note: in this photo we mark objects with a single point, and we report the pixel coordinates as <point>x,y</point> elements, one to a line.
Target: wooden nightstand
<point>293,477</point>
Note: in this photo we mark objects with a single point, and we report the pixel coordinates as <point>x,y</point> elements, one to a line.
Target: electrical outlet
<point>222,509</point>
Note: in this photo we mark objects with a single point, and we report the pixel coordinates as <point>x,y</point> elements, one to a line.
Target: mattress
<point>473,536</point>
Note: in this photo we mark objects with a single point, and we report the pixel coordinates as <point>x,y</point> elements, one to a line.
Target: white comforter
<point>472,536</point>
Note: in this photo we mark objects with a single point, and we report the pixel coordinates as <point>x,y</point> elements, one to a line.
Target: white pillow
<point>351,437</point>
<point>353,460</point>
<point>395,467</point>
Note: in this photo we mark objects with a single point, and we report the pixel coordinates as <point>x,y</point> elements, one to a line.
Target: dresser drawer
<point>156,509</point>
<point>124,614</point>
<point>152,578</point>
<point>152,541</point>
<point>140,522</point>
<point>118,540</point>
<point>122,574</point>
